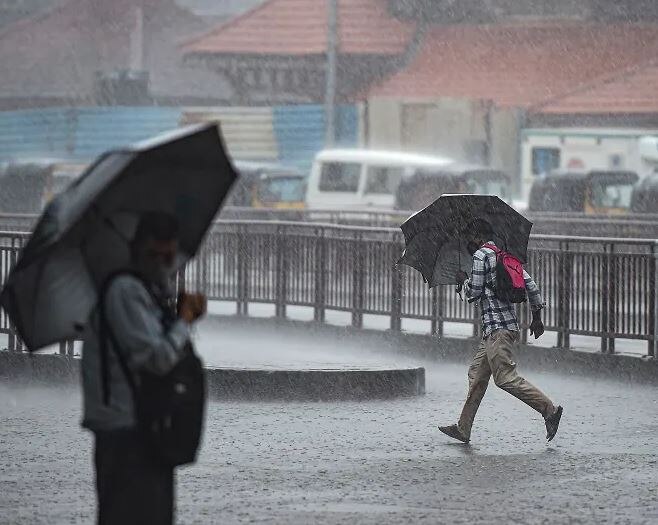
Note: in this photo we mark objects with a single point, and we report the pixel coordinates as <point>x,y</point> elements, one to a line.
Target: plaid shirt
<point>496,314</point>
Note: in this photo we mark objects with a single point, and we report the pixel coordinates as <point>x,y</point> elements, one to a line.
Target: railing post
<point>612,315</point>
<point>567,261</point>
<point>281,272</point>
<point>11,339</point>
<point>434,314</point>
<point>605,299</point>
<point>441,296</point>
<point>396,298</point>
<point>203,283</point>
<point>524,312</point>
<point>357,282</point>
<point>561,297</point>
<point>320,269</point>
<point>243,272</point>
<point>653,302</point>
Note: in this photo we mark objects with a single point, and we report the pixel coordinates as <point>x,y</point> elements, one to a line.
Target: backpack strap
<point>493,248</point>
<point>497,251</point>
<point>104,333</point>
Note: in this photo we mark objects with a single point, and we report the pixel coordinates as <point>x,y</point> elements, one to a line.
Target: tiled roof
<point>299,27</point>
<point>633,91</point>
<point>519,64</point>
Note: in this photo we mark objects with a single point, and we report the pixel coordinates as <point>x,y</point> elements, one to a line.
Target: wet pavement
<point>368,462</point>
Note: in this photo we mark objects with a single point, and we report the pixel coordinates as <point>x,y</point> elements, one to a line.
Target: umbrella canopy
<point>434,236</point>
<point>83,235</point>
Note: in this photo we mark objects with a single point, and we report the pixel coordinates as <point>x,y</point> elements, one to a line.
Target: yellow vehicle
<point>268,186</point>
<point>26,186</point>
<point>593,192</point>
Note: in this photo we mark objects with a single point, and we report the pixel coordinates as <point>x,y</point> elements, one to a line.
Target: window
<point>498,188</point>
<point>545,160</point>
<point>340,177</point>
<point>382,180</point>
<point>282,189</point>
<point>613,195</point>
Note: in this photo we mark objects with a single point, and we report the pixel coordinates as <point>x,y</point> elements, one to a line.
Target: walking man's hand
<point>537,325</point>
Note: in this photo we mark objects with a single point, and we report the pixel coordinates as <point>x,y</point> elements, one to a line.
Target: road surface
<point>369,462</point>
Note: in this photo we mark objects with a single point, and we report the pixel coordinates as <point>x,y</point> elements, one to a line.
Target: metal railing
<point>597,287</point>
<point>572,224</point>
<point>601,287</point>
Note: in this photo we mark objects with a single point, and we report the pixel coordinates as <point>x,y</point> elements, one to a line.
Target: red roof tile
<point>519,65</point>
<point>299,27</point>
<point>633,91</point>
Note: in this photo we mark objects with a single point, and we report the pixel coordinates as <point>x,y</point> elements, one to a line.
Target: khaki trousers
<point>494,357</point>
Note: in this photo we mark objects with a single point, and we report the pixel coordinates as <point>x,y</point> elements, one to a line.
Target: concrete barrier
<point>282,384</point>
<point>243,384</point>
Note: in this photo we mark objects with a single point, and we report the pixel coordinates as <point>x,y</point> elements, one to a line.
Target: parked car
<point>425,185</point>
<point>26,186</point>
<point>645,195</point>
<point>593,192</point>
<point>267,185</point>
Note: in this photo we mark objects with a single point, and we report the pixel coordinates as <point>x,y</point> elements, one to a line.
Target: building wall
<point>456,128</point>
<point>506,141</point>
<point>291,135</point>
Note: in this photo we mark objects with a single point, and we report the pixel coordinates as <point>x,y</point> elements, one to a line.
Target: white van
<point>357,179</point>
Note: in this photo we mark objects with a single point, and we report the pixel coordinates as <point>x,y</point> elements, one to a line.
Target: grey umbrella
<point>83,235</point>
<point>434,236</point>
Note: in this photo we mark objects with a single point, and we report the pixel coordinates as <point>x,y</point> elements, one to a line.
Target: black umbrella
<point>83,235</point>
<point>434,236</point>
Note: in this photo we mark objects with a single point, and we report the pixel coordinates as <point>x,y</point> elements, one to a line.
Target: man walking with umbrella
<point>500,332</point>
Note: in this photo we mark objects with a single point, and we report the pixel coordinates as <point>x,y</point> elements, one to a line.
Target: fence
<point>597,287</point>
<point>571,224</point>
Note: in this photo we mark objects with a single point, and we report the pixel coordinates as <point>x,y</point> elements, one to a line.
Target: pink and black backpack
<point>510,284</point>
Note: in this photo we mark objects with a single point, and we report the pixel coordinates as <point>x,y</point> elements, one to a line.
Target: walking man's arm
<point>474,287</point>
<point>536,305</point>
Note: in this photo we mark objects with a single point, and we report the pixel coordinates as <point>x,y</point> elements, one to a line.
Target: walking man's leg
<point>478,378</point>
<point>499,347</point>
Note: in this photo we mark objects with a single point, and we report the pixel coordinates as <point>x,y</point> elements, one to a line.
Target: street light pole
<point>330,93</point>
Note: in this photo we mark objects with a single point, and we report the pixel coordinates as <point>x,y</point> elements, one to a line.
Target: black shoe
<point>552,423</point>
<point>454,432</point>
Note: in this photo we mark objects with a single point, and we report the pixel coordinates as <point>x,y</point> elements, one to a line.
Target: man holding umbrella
<point>98,267</point>
<point>133,484</point>
<point>500,332</point>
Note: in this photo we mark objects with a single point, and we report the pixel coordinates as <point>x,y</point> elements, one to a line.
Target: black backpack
<point>169,409</point>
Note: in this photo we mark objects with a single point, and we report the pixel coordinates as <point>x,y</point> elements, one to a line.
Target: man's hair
<point>479,228</point>
<point>158,226</point>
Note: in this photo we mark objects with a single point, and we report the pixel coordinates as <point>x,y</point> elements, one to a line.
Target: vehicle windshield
<point>281,189</point>
<point>487,187</point>
<point>611,194</point>
<point>340,177</point>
